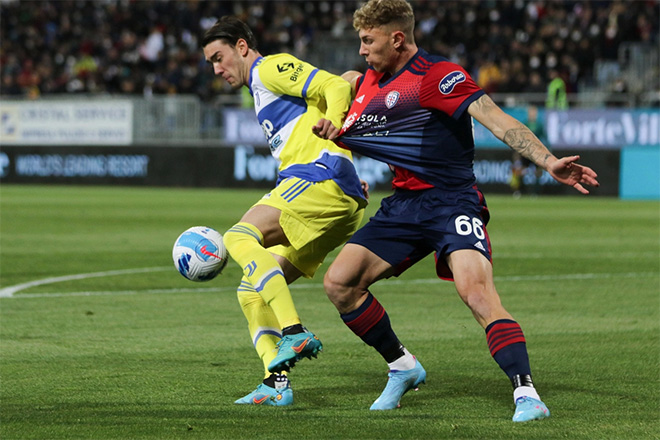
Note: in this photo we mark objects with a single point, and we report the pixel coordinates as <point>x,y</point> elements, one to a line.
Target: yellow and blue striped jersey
<point>290,96</point>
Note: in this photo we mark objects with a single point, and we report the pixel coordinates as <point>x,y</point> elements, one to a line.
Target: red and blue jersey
<point>416,121</point>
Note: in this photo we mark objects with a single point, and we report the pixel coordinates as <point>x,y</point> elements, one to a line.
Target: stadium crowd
<point>152,46</point>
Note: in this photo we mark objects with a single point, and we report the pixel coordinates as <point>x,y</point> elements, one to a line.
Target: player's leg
<point>473,276</point>
<point>316,218</point>
<point>296,342</point>
<point>247,245</point>
<point>265,332</point>
<point>346,283</point>
<point>312,219</point>
<point>246,242</point>
<point>275,390</point>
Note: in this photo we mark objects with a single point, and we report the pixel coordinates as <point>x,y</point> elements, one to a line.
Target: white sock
<point>525,391</point>
<point>405,362</point>
<point>281,381</point>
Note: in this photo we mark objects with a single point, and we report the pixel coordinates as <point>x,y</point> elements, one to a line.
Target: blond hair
<point>392,14</point>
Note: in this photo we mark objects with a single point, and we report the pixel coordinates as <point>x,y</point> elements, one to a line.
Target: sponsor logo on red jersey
<point>447,84</point>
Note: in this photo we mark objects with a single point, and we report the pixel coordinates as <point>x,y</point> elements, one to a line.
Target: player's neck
<point>250,58</point>
<point>403,57</point>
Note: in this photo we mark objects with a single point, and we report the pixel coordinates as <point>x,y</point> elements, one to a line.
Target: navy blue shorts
<point>411,224</point>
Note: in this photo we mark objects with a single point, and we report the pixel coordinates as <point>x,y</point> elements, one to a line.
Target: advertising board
<point>245,166</point>
<point>82,122</point>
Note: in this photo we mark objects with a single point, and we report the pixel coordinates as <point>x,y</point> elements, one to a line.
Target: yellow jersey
<point>290,96</point>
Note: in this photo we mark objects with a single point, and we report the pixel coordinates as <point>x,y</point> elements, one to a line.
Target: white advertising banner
<point>242,126</point>
<point>603,128</point>
<point>66,122</point>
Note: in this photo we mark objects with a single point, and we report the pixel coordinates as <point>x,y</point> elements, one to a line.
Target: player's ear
<point>242,47</point>
<point>398,39</point>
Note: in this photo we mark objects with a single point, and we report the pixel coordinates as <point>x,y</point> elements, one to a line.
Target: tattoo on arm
<point>522,140</point>
<point>519,138</point>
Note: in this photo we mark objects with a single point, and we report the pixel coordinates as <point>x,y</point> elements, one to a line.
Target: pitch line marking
<point>8,292</point>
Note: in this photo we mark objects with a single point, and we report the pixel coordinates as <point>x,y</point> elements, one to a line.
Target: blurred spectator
<point>617,92</point>
<point>525,176</point>
<point>518,170</point>
<point>556,92</point>
<point>9,86</point>
<point>489,76</point>
<point>535,84</point>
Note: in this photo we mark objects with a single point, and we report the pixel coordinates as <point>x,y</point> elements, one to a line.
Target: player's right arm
<point>324,128</point>
<point>287,75</point>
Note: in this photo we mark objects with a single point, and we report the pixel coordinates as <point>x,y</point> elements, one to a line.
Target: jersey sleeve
<point>449,88</point>
<point>285,74</point>
<point>337,94</point>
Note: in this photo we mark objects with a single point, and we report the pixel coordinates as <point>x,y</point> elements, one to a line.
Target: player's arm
<point>521,139</point>
<point>287,75</point>
<point>337,94</point>
<point>325,128</point>
<point>352,77</point>
<point>335,91</point>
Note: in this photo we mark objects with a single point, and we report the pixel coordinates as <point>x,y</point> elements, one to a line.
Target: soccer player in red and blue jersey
<point>414,111</point>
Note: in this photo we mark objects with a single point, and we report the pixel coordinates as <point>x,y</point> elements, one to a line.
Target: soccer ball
<point>199,254</point>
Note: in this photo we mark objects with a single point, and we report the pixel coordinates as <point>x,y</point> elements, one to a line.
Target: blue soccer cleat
<point>398,384</point>
<point>528,408</point>
<point>292,348</point>
<point>265,395</point>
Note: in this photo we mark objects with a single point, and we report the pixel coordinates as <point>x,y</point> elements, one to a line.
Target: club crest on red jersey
<point>391,99</point>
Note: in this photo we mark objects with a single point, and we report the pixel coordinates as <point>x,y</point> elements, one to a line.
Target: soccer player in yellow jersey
<point>315,206</point>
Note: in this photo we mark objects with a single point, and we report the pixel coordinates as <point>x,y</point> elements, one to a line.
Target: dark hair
<point>230,29</point>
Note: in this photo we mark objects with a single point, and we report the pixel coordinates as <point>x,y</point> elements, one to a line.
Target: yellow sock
<point>244,243</point>
<point>264,329</point>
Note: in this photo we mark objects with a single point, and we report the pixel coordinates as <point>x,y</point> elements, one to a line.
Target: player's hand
<point>365,188</point>
<point>567,171</point>
<point>325,129</point>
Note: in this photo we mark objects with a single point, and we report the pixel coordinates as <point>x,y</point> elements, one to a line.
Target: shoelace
<point>282,341</point>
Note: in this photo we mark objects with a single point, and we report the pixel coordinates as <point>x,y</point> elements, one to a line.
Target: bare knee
<point>477,301</point>
<point>348,279</point>
<point>339,291</point>
<point>335,287</point>
<point>484,303</point>
<point>473,276</point>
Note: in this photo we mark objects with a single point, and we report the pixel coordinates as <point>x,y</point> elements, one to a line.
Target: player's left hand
<point>365,188</point>
<point>567,171</point>
<point>325,129</point>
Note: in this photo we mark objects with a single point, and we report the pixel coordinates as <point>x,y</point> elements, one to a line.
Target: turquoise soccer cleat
<point>528,408</point>
<point>293,348</point>
<point>265,395</point>
<point>398,384</point>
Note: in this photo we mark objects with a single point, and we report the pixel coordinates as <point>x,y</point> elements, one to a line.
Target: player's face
<point>227,62</point>
<point>377,48</point>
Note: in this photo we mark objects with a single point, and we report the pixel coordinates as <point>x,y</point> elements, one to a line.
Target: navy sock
<point>506,343</point>
<point>371,323</point>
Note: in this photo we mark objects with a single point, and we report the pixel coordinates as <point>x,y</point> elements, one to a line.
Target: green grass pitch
<point>100,337</point>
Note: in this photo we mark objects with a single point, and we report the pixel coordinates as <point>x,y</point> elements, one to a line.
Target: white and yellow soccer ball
<point>199,254</point>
